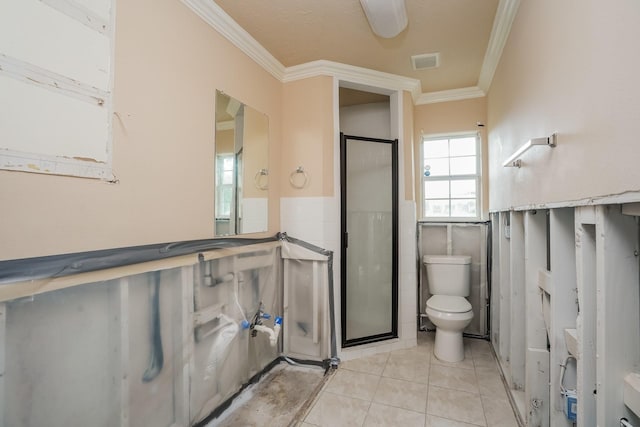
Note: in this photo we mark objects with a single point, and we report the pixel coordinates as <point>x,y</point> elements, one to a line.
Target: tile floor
<point>412,388</point>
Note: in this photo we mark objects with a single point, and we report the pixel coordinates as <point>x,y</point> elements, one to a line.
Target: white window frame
<point>219,168</point>
<point>477,176</point>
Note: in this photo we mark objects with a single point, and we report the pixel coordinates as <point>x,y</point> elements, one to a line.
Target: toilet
<point>448,309</point>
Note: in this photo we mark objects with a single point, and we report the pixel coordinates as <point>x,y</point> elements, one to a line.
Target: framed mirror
<point>241,168</point>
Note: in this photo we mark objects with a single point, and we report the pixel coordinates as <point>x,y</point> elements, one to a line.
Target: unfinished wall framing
<point>160,343</point>
<point>579,269</point>
<point>458,238</point>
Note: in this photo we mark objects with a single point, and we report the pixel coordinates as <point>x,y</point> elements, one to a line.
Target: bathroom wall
<point>168,64</point>
<point>452,117</point>
<point>371,120</point>
<point>569,67</point>
<point>81,354</point>
<point>308,137</point>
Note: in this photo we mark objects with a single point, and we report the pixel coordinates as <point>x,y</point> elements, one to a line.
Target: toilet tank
<point>448,274</point>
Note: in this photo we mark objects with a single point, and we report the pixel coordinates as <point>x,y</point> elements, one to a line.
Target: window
<point>451,177</point>
<point>224,185</point>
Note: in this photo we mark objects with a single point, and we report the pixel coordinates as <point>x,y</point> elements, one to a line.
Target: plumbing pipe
<point>276,327</point>
<point>563,367</point>
<point>273,337</point>
<point>625,423</point>
<point>273,333</point>
<point>245,322</point>
<point>210,281</point>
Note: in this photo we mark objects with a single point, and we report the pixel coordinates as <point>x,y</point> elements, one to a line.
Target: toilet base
<point>449,346</point>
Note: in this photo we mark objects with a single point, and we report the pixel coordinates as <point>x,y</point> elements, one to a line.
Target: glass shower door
<point>369,246</point>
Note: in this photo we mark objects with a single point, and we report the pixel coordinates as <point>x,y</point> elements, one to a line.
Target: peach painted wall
<point>308,136</point>
<point>570,67</point>
<point>255,153</point>
<point>451,117</point>
<point>225,141</point>
<point>168,65</point>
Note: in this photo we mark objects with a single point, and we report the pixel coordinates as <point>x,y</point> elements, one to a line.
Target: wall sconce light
<point>387,18</point>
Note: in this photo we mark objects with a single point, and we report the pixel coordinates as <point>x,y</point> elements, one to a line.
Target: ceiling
<point>300,31</point>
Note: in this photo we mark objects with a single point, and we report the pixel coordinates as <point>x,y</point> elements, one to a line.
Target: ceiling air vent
<point>425,61</point>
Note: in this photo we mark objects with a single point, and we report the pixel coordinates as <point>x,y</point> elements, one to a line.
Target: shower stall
<point>369,297</point>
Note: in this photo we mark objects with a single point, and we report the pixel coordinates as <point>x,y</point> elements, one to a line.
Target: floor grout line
<point>428,360</point>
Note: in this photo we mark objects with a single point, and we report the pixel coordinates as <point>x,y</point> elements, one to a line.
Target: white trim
<point>81,14</point>
<point>55,165</point>
<point>450,95</point>
<point>32,74</point>
<point>364,76</point>
<point>449,134</point>
<point>217,18</point>
<point>506,13</point>
<point>477,177</point>
<point>609,199</point>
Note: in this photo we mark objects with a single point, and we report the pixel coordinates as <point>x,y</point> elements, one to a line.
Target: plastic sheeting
<point>80,356</point>
<point>164,347</point>
<point>458,239</point>
<point>306,300</point>
<point>67,264</point>
<point>228,294</point>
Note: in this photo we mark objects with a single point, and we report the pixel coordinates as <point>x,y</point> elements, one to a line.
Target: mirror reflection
<point>241,168</point>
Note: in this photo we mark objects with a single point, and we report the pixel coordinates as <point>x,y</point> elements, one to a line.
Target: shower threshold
<point>282,397</point>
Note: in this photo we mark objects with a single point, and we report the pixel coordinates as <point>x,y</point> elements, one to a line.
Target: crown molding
<point>450,95</point>
<point>352,73</point>
<point>217,18</point>
<point>506,13</point>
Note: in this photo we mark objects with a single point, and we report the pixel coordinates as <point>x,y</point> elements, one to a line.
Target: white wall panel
<point>49,123</point>
<point>36,33</point>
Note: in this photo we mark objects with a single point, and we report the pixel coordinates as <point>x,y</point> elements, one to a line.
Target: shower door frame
<point>345,240</point>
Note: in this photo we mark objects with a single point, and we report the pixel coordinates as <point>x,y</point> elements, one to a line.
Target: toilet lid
<point>449,304</point>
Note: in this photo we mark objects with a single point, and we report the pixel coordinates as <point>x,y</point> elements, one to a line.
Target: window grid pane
<point>436,167</point>
<point>437,208</point>
<point>462,147</point>
<point>463,165</point>
<point>463,189</point>
<point>436,149</point>
<point>437,190</point>
<point>451,183</point>
<point>463,207</point>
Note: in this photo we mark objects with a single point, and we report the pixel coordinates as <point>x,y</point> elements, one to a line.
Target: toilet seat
<point>449,304</point>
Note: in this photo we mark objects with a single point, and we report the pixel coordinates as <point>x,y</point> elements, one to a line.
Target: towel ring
<point>258,179</point>
<point>296,172</point>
